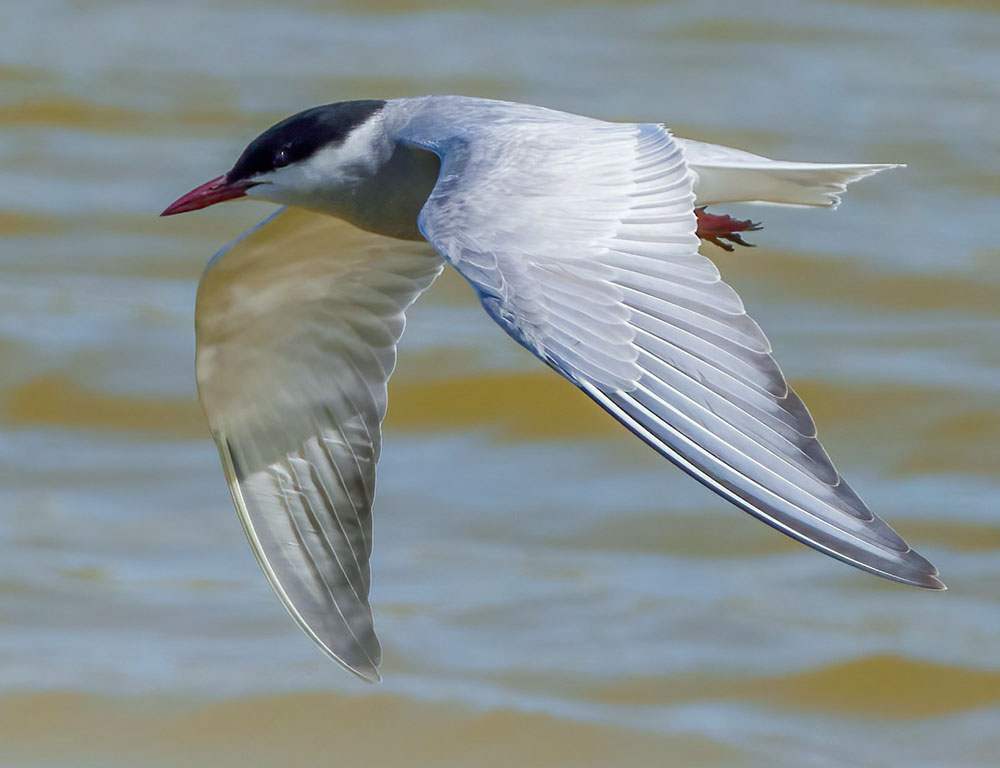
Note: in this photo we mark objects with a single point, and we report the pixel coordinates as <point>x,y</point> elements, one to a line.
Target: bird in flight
<point>580,238</point>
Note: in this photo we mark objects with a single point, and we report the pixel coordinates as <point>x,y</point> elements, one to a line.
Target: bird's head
<point>309,160</point>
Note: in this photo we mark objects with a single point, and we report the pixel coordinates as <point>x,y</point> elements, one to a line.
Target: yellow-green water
<point>548,592</point>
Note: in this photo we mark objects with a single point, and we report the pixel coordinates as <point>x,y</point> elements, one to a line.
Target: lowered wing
<point>297,325</point>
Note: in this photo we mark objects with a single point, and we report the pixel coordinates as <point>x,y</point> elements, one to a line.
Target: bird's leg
<point>716,228</point>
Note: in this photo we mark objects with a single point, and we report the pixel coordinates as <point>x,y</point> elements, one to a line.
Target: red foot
<point>715,228</point>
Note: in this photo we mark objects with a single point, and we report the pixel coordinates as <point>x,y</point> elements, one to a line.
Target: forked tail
<point>727,175</point>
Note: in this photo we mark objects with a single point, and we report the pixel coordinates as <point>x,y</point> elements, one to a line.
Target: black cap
<point>297,137</point>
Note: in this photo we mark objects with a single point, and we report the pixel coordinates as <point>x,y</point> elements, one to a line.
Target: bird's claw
<point>718,227</point>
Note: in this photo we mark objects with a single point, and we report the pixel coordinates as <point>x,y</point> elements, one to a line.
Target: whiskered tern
<point>581,239</point>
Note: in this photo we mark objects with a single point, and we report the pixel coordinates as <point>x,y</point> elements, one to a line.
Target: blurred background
<point>548,591</point>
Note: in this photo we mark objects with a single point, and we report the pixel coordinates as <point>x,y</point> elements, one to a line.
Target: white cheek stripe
<point>331,167</point>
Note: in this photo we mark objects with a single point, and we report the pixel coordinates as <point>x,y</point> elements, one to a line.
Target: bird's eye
<point>281,158</point>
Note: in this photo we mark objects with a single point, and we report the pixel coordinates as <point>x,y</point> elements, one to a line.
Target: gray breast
<point>388,202</point>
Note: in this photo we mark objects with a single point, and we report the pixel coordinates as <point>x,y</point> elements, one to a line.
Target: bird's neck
<point>388,201</point>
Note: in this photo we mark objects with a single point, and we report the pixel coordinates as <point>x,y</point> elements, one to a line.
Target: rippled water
<point>547,590</point>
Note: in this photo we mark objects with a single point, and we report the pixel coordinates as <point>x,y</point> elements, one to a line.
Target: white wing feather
<point>297,325</point>
<point>580,238</point>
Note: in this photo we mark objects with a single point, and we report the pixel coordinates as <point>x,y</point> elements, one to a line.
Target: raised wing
<point>580,239</point>
<point>297,324</point>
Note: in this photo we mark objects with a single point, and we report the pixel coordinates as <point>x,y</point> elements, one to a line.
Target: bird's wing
<point>297,324</point>
<point>580,240</point>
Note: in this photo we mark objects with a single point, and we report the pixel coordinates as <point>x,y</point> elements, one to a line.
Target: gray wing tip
<point>934,583</point>
<point>917,571</point>
<point>926,581</point>
<point>367,669</point>
<point>370,675</point>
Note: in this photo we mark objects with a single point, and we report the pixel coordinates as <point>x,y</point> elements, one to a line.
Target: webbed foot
<point>718,227</point>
